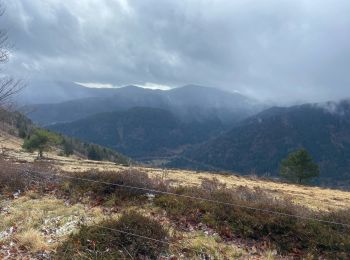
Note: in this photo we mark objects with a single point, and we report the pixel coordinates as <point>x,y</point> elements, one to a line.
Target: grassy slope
<point>47,209</point>
<point>313,197</point>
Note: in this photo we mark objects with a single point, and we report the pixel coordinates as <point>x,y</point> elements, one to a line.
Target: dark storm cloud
<point>285,50</point>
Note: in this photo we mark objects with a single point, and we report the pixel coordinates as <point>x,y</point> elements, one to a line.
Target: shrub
<point>68,148</point>
<point>94,153</point>
<point>11,179</point>
<point>23,177</point>
<point>103,190</point>
<point>285,233</point>
<point>22,132</point>
<point>106,243</point>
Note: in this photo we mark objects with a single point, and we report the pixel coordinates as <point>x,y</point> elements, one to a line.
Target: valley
<point>77,204</point>
<point>201,128</point>
<point>330,199</point>
<point>174,130</point>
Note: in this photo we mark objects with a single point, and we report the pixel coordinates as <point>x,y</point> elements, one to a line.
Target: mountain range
<point>203,128</point>
<point>188,103</point>
<point>56,91</point>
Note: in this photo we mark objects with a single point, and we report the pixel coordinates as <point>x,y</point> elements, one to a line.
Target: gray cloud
<point>286,50</point>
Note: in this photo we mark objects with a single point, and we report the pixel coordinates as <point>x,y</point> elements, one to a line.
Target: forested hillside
<point>141,132</point>
<point>16,124</point>
<point>259,143</point>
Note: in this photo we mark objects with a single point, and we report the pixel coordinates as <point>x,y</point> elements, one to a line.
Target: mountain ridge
<point>140,131</point>
<point>259,143</point>
<point>188,103</point>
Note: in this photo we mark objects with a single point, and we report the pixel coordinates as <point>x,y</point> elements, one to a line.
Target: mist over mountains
<point>164,129</point>
<point>55,91</point>
<point>188,103</point>
<point>199,127</point>
<point>142,133</point>
<point>259,143</point>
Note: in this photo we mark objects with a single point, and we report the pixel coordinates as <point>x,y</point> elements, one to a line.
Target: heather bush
<point>95,242</point>
<point>241,219</point>
<point>14,178</point>
<point>103,185</point>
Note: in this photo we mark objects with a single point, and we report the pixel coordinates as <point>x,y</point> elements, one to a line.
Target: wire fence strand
<point>114,229</point>
<point>190,197</point>
<point>149,238</point>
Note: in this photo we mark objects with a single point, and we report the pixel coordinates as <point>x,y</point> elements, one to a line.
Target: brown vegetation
<point>286,234</point>
<point>212,228</point>
<point>110,239</point>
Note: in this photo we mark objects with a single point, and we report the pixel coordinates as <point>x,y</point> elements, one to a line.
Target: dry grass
<point>41,222</point>
<point>45,223</point>
<point>213,246</point>
<point>280,232</point>
<point>32,240</point>
<point>313,197</point>
<point>34,216</point>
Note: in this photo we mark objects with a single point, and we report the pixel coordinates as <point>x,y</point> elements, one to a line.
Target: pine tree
<point>40,141</point>
<point>299,166</point>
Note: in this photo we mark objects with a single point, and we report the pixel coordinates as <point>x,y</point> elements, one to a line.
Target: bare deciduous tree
<point>8,85</point>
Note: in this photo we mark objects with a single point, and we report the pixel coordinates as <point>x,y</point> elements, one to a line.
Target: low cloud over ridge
<point>285,50</point>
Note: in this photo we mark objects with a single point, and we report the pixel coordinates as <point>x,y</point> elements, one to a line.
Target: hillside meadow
<point>50,217</point>
<point>313,197</point>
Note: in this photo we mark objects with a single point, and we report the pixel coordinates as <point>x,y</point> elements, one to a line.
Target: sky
<point>276,50</point>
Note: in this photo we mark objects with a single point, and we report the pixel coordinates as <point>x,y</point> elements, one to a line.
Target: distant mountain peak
<point>190,102</point>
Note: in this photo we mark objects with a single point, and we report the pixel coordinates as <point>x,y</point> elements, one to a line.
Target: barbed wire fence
<point>36,177</point>
<point>54,177</point>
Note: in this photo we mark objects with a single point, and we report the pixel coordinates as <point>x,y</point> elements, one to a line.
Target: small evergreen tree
<point>22,132</point>
<point>94,153</point>
<point>68,148</point>
<point>299,166</point>
<point>40,140</point>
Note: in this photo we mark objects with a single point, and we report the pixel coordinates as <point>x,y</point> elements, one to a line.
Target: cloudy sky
<point>282,50</point>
